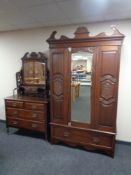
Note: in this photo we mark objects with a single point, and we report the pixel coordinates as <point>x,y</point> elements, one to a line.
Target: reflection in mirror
<point>34,73</point>
<point>81,71</point>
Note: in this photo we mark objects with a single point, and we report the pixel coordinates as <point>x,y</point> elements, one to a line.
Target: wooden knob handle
<point>66,134</point>
<point>34,115</point>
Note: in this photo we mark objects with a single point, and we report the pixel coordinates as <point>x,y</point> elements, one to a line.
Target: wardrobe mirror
<point>81,72</point>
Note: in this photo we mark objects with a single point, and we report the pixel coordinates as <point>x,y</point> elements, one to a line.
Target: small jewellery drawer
<point>37,126</point>
<point>15,104</point>
<point>25,114</point>
<point>34,106</point>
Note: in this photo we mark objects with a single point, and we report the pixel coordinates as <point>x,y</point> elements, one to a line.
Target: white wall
<point>13,46</point>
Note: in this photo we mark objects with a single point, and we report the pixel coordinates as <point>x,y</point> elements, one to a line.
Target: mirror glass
<point>81,71</point>
<point>34,73</point>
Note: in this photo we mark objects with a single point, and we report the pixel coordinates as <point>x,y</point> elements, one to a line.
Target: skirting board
<point>2,121</point>
<point>117,141</point>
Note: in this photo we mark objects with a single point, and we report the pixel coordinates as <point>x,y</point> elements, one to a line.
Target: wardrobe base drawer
<point>82,137</point>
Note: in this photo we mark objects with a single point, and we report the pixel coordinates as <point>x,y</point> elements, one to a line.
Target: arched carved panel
<point>107,87</point>
<point>58,85</point>
<point>107,102</point>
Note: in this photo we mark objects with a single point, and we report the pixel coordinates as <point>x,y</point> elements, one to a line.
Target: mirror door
<point>81,82</point>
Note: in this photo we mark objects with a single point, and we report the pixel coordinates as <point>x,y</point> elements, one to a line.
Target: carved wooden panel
<point>58,63</point>
<point>58,109</point>
<point>59,85</point>
<point>106,114</point>
<point>107,85</point>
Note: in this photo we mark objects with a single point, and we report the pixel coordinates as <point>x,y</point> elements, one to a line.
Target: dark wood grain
<point>104,91</point>
<point>26,112</point>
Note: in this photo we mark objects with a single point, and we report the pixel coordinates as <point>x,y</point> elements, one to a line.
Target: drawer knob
<point>66,134</point>
<point>33,106</point>
<point>34,125</point>
<point>34,115</point>
<point>96,140</point>
<point>15,122</point>
<point>15,112</point>
<point>14,104</point>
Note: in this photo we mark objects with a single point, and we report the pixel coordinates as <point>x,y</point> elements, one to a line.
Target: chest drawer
<point>32,115</point>
<point>15,104</point>
<point>25,114</point>
<point>34,106</point>
<point>13,112</point>
<point>36,126</point>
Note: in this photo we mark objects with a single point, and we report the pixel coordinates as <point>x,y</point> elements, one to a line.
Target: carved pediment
<point>34,56</point>
<point>83,33</point>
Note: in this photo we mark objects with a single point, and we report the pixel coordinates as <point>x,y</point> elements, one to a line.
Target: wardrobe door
<point>107,71</point>
<point>60,85</point>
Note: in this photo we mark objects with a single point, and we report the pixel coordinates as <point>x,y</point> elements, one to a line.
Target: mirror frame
<point>75,50</point>
<point>33,57</point>
<point>40,90</point>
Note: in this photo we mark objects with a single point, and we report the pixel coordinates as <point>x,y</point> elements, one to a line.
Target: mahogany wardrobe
<point>84,76</point>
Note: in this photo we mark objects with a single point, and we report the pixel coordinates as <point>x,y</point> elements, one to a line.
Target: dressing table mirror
<point>32,80</point>
<point>28,108</point>
<point>84,74</point>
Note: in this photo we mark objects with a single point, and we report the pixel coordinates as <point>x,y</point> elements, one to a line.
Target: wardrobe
<point>84,78</point>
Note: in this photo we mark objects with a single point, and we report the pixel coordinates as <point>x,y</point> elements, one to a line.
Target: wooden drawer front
<point>32,115</point>
<point>25,114</point>
<point>83,137</point>
<point>35,106</point>
<point>36,126</point>
<point>102,140</point>
<point>13,122</point>
<point>61,132</point>
<point>12,112</point>
<point>76,136</point>
<point>15,104</point>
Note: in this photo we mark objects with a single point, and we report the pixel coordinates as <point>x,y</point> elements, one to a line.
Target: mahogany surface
<point>28,109</point>
<point>100,133</point>
<point>27,112</point>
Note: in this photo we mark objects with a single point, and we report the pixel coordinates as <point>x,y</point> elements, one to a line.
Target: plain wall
<point>14,44</point>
